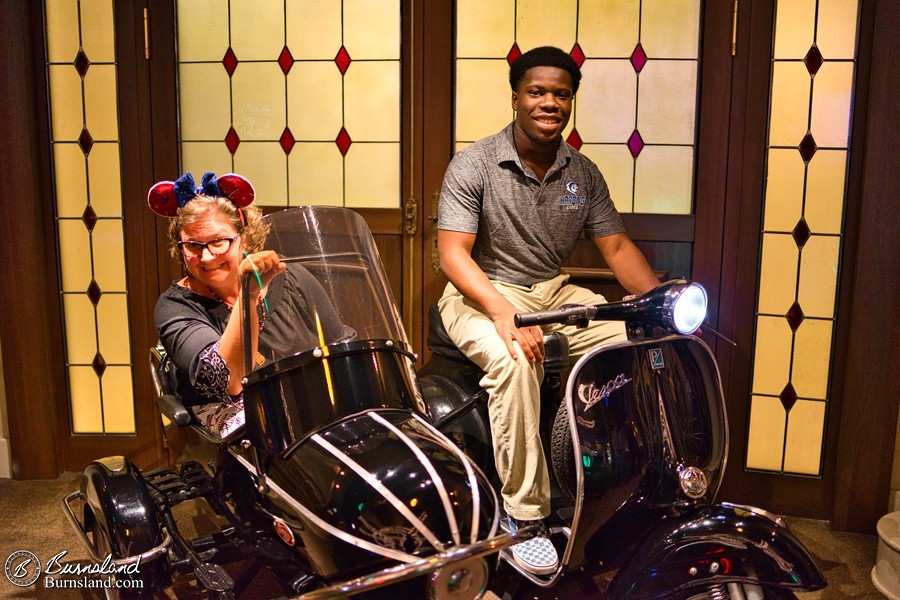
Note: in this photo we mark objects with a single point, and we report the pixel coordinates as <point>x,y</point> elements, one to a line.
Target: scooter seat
<point>556,344</point>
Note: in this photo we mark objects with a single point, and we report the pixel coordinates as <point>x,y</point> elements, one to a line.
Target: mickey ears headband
<point>166,197</point>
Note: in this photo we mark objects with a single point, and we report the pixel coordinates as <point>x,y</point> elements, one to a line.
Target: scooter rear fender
<point>716,544</point>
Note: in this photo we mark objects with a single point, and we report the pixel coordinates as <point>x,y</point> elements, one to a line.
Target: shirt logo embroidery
<point>572,200</point>
<point>572,187</point>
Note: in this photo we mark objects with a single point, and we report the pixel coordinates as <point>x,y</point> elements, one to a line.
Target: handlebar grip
<point>565,315</point>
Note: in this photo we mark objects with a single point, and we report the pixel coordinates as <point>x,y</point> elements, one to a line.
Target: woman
<point>218,236</point>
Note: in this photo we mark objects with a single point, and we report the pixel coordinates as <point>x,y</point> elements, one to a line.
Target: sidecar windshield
<point>333,291</point>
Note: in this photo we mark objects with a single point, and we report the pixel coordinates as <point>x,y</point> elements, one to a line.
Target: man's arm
<point>455,253</point>
<point>627,263</point>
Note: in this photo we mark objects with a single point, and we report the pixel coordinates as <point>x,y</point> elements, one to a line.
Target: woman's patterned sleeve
<point>212,374</point>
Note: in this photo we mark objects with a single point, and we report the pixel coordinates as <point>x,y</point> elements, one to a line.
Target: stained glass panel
<point>765,445</point>
<point>803,448</point>
<point>490,27</point>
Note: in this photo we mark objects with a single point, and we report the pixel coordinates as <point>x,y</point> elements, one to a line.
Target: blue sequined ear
<point>185,189</point>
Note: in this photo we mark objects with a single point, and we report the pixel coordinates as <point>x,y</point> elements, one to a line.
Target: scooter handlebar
<point>570,314</point>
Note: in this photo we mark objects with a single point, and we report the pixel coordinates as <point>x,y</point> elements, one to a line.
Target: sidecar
<point>337,484</point>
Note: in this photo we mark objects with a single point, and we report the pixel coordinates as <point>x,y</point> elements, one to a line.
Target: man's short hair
<point>544,56</point>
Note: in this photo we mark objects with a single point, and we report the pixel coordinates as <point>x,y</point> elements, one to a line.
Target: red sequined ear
<point>161,199</point>
<point>237,189</point>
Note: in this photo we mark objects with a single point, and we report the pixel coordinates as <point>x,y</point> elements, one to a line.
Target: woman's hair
<point>253,234</point>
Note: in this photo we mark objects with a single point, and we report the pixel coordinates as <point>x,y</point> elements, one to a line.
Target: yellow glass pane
<point>265,164</point>
<point>538,26</point>
<point>607,101</point>
<point>321,120</point>
<point>74,252</point>
<point>784,190</point>
<point>118,400</point>
<point>777,273</point>
<point>609,28</point>
<point>836,32</point>
<point>66,116</point>
<point>483,98</point>
<point>202,29</point>
<point>101,108</point>
<point>313,28</point>
<point>112,322</point>
<point>667,102</point>
<point>199,157</point>
<point>98,30</point>
<point>84,396</point>
<point>671,29</point>
<point>461,146</point>
<point>663,179</point>
<point>825,191</point>
<point>812,355</point>
<point>204,111</point>
<point>765,440</point>
<point>258,101</point>
<point>789,116</point>
<point>772,355</point>
<point>805,431</point>
<point>257,30</point>
<point>485,29</point>
<point>372,28</point>
<point>617,166</point>
<point>61,19</point>
<point>373,176</point>
<point>372,101</point>
<point>71,181</point>
<point>316,172</point>
<point>818,276</point>
<point>109,256</point>
<point>106,186</point>
<point>794,26</point>
<point>832,94</point>
<point>81,336</point>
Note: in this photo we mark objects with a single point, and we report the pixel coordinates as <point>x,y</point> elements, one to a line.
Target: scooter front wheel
<point>562,454</point>
<point>739,591</point>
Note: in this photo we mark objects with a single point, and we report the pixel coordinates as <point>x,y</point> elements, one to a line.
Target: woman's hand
<point>266,264</point>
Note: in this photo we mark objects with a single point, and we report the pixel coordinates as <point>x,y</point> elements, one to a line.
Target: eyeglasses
<point>216,247</point>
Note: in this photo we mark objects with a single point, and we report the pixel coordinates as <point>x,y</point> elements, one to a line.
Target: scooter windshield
<point>334,289</point>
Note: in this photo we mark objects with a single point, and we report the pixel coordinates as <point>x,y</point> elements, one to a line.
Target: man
<point>512,209</point>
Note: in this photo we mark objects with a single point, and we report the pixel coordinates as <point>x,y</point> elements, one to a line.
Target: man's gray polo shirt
<point>524,229</point>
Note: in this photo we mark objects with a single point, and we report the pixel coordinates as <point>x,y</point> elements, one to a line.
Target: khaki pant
<point>513,386</point>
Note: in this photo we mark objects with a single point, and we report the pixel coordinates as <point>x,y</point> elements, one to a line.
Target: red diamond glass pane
<point>808,147</point>
<point>513,53</point>
<point>82,63</point>
<point>795,316</point>
<point>788,397</point>
<point>232,140</point>
<point>574,140</point>
<point>577,55</point>
<point>638,58</point>
<point>813,60</point>
<point>343,141</point>
<point>89,218</point>
<point>342,60</point>
<point>94,292</point>
<point>99,364</point>
<point>85,141</point>
<point>285,60</point>
<point>230,61</point>
<point>635,143</point>
<point>801,233</point>
<point>287,141</point>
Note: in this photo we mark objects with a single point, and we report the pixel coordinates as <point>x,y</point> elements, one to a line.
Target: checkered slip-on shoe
<point>536,555</point>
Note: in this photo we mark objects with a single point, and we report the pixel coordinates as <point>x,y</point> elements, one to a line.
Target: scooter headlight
<point>689,309</point>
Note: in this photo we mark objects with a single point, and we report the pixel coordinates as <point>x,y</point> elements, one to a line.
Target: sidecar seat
<point>170,404</point>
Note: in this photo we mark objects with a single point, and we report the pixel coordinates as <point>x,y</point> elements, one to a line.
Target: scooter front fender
<point>716,544</point>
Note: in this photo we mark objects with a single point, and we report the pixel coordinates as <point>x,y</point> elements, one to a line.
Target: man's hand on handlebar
<point>530,339</point>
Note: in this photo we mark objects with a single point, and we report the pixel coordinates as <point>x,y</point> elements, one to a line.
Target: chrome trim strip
<point>756,511</point>
<point>421,566</point>
<point>438,482</point>
<point>92,549</point>
<point>473,482</point>
<point>386,493</point>
<point>328,527</point>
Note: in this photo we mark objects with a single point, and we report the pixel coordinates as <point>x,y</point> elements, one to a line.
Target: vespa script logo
<point>22,568</point>
<point>590,395</point>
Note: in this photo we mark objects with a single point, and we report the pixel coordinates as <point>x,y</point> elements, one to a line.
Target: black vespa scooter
<point>354,475</point>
